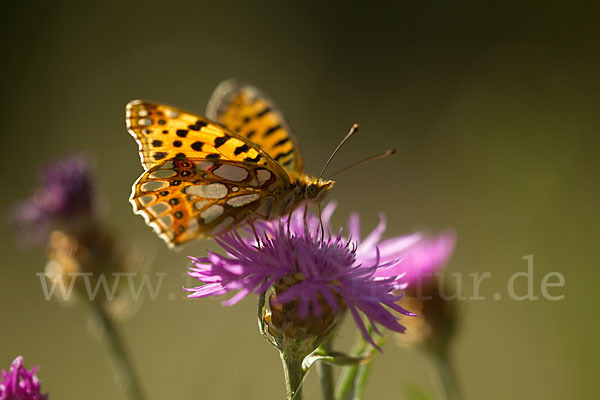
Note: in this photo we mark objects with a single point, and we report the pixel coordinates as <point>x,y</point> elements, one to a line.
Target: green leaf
<point>353,379</point>
<point>334,358</point>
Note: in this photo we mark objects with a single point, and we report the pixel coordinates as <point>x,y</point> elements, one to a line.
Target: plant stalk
<point>120,360</point>
<point>447,376</point>
<point>325,372</point>
<point>292,370</point>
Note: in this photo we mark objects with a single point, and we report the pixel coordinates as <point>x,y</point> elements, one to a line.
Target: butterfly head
<point>316,189</point>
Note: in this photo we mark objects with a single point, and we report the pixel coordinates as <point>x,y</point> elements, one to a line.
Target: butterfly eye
<point>311,191</point>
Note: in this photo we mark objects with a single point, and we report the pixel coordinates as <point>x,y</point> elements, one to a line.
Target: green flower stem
<point>292,370</point>
<point>362,377</point>
<point>353,379</point>
<point>121,363</point>
<point>447,376</point>
<point>325,372</point>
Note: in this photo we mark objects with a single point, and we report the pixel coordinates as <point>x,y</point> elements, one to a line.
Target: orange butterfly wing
<point>183,199</point>
<point>200,177</point>
<point>249,112</point>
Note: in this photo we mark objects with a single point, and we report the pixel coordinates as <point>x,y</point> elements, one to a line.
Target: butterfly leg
<point>304,216</point>
<point>305,212</point>
<point>251,223</point>
<point>289,219</point>
<point>321,222</point>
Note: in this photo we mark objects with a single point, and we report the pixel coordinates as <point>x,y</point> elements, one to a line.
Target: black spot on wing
<point>197,146</point>
<point>220,141</point>
<point>197,126</point>
<point>212,156</point>
<point>157,143</point>
<point>263,112</point>
<point>252,160</point>
<point>282,155</point>
<point>159,155</point>
<point>282,142</point>
<point>182,132</point>
<point>250,134</point>
<point>241,149</point>
<point>271,130</point>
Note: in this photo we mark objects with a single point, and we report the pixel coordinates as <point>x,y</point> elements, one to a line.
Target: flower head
<point>20,384</point>
<point>422,255</point>
<point>314,273</point>
<point>66,191</point>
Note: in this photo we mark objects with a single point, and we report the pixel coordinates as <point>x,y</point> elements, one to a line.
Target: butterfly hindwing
<point>183,199</point>
<point>247,111</point>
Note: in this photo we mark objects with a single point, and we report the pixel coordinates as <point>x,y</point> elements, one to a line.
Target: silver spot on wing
<point>149,198</point>
<point>166,221</point>
<point>239,201</point>
<point>199,205</point>
<point>263,175</point>
<point>171,114</point>
<point>231,172</point>
<point>158,209</point>
<point>154,185</point>
<point>211,213</point>
<point>163,173</point>
<point>211,191</point>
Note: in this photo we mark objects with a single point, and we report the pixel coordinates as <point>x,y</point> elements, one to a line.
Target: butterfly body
<point>203,176</point>
<point>302,190</point>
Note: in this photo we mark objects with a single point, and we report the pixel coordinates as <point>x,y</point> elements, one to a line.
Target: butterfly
<point>203,175</point>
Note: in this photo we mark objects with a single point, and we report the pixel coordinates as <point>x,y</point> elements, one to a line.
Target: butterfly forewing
<point>183,199</point>
<point>163,132</point>
<point>247,111</point>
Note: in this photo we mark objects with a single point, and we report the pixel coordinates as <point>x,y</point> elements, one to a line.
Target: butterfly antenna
<point>375,157</point>
<point>353,130</point>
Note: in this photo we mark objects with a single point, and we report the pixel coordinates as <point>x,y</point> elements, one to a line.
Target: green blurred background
<point>493,110</point>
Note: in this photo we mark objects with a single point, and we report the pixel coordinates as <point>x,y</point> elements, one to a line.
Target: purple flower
<point>422,256</point>
<point>315,272</point>
<point>66,191</point>
<point>20,384</point>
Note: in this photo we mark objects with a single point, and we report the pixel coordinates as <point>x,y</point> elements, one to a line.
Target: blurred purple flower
<point>66,191</point>
<point>364,274</point>
<point>422,255</point>
<point>20,384</point>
